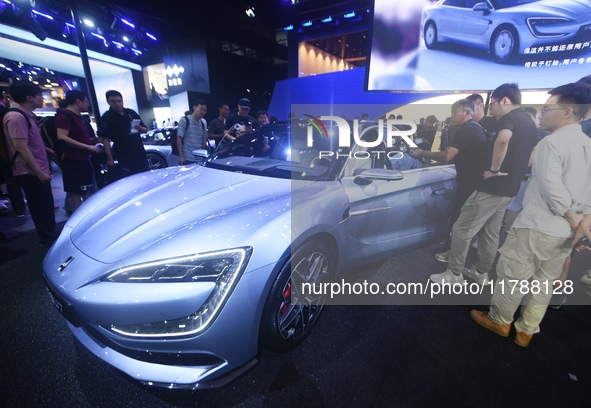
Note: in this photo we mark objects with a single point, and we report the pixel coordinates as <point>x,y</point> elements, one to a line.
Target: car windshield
<point>501,4</point>
<point>279,150</point>
<point>159,136</point>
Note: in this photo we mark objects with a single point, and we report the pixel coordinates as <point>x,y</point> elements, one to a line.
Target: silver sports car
<point>178,276</point>
<point>507,28</point>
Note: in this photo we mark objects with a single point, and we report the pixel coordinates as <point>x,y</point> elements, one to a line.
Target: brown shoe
<point>482,319</point>
<point>522,339</point>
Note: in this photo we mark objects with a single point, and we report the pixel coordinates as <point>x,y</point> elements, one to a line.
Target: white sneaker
<point>446,277</point>
<point>586,279</point>
<point>480,278</point>
<point>442,256</point>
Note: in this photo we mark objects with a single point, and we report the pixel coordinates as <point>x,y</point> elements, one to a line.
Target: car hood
<point>135,213</point>
<point>567,8</point>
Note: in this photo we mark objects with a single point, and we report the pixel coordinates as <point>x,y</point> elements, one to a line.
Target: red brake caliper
<point>286,298</point>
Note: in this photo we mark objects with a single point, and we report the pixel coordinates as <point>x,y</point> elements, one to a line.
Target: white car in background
<point>506,28</point>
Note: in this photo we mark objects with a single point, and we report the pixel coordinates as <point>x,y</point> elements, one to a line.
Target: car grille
<point>170,359</point>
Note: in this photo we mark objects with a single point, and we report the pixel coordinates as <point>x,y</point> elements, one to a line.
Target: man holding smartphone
<point>123,127</point>
<point>242,117</point>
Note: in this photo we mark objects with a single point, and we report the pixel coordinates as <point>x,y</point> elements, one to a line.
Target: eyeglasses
<point>545,109</point>
<point>493,102</point>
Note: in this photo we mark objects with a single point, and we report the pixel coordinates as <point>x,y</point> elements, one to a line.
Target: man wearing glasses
<point>506,163</point>
<point>556,214</point>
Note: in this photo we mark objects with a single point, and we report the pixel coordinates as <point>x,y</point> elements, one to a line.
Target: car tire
<point>430,36</point>
<point>504,45</point>
<point>156,161</point>
<point>285,325</point>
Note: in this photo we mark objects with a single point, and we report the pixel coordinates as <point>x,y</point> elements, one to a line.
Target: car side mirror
<point>482,7</point>
<point>367,176</point>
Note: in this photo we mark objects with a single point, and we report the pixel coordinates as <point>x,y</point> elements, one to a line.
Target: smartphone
<point>583,241</point>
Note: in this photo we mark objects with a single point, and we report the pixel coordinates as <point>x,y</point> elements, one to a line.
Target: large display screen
<point>471,45</point>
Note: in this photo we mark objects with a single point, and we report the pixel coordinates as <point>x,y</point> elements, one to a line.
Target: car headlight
<point>222,267</point>
<point>544,27</point>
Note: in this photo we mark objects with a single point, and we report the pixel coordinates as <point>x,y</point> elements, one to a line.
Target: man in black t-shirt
<point>116,126</point>
<point>425,137</point>
<point>217,127</point>
<point>466,151</point>
<point>241,117</point>
<point>488,123</point>
<point>505,165</point>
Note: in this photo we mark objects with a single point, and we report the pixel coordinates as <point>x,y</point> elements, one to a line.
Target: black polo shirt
<point>521,144</point>
<point>128,146</point>
<point>472,144</point>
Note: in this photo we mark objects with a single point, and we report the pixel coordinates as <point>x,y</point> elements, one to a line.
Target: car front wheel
<point>289,313</point>
<point>155,161</point>
<point>430,35</point>
<point>505,44</point>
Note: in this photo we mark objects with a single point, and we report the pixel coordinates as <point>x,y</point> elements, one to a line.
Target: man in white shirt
<point>557,208</point>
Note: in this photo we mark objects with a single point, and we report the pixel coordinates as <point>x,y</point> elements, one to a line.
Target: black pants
<point>40,201</point>
<point>15,195</point>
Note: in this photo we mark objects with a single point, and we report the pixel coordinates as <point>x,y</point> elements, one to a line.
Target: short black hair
<point>573,94</point>
<point>261,112</point>
<point>510,91</point>
<point>433,119</point>
<point>21,89</point>
<point>533,111</point>
<point>223,104</point>
<point>73,96</point>
<point>475,97</point>
<point>113,93</point>
<point>198,102</point>
<point>586,80</point>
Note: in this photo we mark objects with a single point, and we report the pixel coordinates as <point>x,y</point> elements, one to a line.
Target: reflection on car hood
<point>137,211</point>
<point>566,8</point>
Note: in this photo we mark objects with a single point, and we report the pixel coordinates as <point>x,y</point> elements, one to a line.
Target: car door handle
<point>440,191</point>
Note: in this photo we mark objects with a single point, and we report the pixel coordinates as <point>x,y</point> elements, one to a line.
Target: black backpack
<point>49,133</point>
<point>7,162</point>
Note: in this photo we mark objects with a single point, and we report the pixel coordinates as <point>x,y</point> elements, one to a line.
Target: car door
<point>446,19</point>
<point>396,211</point>
<point>473,25</point>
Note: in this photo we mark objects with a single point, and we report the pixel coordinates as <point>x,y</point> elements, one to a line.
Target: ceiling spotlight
<point>88,22</point>
<point>250,12</point>
<point>128,23</point>
<point>47,16</point>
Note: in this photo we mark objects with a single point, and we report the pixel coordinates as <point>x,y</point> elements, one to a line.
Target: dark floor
<point>357,356</point>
